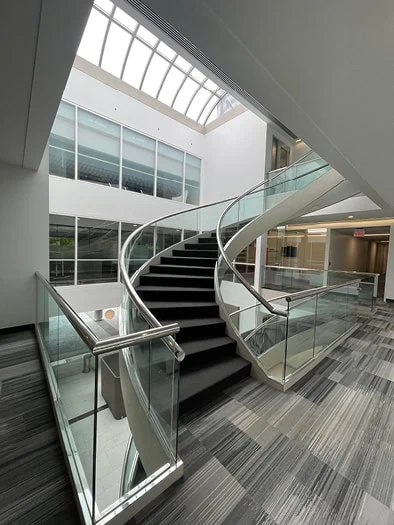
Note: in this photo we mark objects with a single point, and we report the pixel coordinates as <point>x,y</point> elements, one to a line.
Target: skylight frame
<point>212,87</point>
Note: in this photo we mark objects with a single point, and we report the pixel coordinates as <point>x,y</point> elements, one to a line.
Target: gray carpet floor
<point>322,453</point>
<point>34,483</point>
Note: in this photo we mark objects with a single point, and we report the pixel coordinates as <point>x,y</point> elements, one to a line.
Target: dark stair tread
<point>200,321</point>
<point>179,304</point>
<point>194,254</point>
<point>151,288</point>
<point>176,266</point>
<point>172,275</point>
<point>202,380</point>
<point>202,345</point>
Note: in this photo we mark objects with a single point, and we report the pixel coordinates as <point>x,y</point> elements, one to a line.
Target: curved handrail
<point>138,302</point>
<point>223,254</point>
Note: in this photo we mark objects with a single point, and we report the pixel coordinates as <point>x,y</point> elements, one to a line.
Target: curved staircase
<point>181,289</point>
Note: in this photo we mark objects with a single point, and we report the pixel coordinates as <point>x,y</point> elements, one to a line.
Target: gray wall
<point>348,253</point>
<point>24,234</point>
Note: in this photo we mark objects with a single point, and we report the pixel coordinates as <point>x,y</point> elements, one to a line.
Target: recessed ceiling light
<point>350,216</point>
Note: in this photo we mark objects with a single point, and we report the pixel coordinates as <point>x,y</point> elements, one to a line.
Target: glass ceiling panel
<point>198,103</point>
<point>154,76</point>
<point>115,50</point>
<point>166,51</point>
<point>185,95</point>
<point>105,5</point>
<point>211,103</point>
<point>197,75</point>
<point>116,42</point>
<point>183,64</point>
<point>147,36</point>
<point>93,37</point>
<point>136,63</point>
<point>171,85</point>
<point>124,19</point>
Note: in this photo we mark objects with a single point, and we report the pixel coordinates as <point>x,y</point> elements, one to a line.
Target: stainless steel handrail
<point>295,178</point>
<point>295,162</point>
<point>317,291</point>
<point>101,346</point>
<point>226,259</point>
<point>316,269</point>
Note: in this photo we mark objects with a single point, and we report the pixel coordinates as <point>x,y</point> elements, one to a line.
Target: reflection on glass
<point>61,249</point>
<point>91,272</point>
<point>192,179</point>
<point>62,142</point>
<point>138,170</point>
<point>61,273</point>
<point>98,149</point>
<point>169,172</point>
<point>61,237</point>
<point>97,239</point>
<point>166,237</point>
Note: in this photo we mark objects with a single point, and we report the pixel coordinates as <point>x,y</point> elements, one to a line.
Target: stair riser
<point>204,272</point>
<point>210,254</point>
<point>208,240</point>
<point>179,312</point>
<point>183,261</point>
<point>176,281</point>
<point>208,356</point>
<point>198,400</point>
<point>193,333</point>
<point>207,247</point>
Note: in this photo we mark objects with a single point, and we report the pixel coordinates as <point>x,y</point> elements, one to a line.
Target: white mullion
<point>193,97</point>
<point>127,55</point>
<point>205,105</point>
<point>148,63</point>
<point>106,35</point>
<point>76,251</point>
<point>121,158</point>
<point>184,177</point>
<point>76,143</point>
<point>119,246</point>
<point>210,113</point>
<point>155,171</point>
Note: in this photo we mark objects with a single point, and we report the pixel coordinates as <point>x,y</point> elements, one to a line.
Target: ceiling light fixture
<point>317,230</point>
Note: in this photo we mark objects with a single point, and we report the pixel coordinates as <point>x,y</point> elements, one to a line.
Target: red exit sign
<point>359,233</point>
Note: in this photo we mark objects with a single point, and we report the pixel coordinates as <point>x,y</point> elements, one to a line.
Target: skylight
<point>120,45</point>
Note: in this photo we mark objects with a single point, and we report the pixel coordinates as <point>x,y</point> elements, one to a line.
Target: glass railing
<point>104,391</point>
<point>282,331</point>
<point>312,323</point>
<point>290,279</point>
<point>251,205</point>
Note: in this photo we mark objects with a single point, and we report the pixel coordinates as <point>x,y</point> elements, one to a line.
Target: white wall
<point>86,199</point>
<point>89,297</point>
<point>348,253</point>
<point>101,98</point>
<point>234,157</point>
<point>23,240</point>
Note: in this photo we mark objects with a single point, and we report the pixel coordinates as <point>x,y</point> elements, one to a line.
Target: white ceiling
<point>38,43</point>
<point>323,68</point>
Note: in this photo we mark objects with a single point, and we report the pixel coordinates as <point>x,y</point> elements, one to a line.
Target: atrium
<point>197,265</point>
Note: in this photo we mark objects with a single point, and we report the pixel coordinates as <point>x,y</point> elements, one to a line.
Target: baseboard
<point>15,329</point>
<point>389,300</point>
